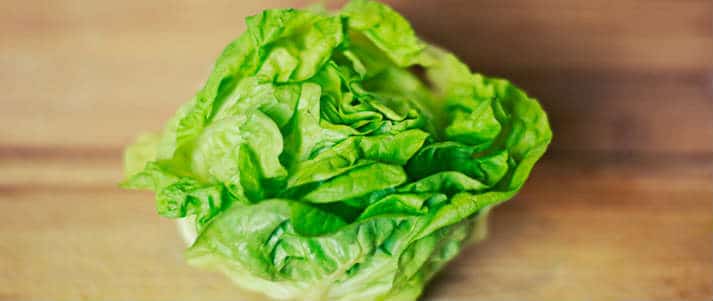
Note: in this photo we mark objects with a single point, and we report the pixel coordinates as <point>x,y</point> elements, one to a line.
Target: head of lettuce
<point>317,164</point>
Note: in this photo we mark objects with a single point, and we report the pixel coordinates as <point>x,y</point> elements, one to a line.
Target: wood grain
<point>584,228</point>
<point>620,209</point>
<point>594,229</point>
<point>94,74</point>
<point>646,37</point>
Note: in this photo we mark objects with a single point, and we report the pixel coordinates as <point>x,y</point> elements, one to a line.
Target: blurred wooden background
<point>620,209</point>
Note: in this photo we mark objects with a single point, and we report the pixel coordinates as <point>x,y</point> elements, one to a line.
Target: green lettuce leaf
<point>316,163</point>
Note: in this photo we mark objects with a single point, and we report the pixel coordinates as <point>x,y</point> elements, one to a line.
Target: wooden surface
<point>620,209</point>
<point>583,229</point>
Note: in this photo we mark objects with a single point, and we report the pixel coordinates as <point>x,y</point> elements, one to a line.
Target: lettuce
<point>336,156</point>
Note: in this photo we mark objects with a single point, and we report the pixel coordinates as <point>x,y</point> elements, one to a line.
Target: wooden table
<point>620,209</point>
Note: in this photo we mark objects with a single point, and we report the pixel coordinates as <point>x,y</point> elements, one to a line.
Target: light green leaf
<point>388,30</point>
<point>337,156</point>
<point>357,182</point>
